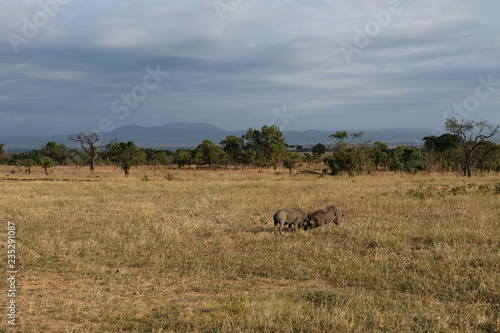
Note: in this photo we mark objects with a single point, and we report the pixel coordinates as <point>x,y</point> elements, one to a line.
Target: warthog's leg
<point>280,224</point>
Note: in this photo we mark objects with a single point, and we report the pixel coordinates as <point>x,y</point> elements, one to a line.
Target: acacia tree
<point>471,136</point>
<point>28,163</point>
<point>347,156</point>
<point>125,155</point>
<point>46,162</point>
<point>88,142</point>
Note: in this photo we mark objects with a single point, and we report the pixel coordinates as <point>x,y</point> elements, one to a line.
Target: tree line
<point>465,147</point>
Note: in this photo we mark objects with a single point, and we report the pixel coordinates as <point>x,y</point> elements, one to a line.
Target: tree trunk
<point>468,161</point>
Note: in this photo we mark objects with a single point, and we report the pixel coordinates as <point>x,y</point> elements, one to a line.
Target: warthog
<point>290,216</point>
<point>323,216</point>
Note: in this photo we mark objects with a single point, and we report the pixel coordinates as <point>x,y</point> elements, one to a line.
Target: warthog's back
<point>288,216</point>
<point>326,215</point>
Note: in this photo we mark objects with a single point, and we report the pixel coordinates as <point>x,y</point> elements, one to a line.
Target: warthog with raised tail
<point>289,216</point>
<point>323,216</point>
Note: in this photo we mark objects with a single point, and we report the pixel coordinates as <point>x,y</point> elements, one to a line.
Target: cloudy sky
<point>72,65</point>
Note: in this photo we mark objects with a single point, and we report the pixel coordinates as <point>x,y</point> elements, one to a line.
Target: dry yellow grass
<point>105,253</point>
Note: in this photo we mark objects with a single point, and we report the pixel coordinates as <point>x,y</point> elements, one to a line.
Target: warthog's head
<point>309,222</point>
<point>302,223</point>
<point>306,225</point>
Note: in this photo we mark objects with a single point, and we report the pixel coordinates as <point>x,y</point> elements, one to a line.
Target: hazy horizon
<point>69,66</point>
<point>350,130</point>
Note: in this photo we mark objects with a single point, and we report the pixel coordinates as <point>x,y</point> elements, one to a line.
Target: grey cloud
<point>233,73</point>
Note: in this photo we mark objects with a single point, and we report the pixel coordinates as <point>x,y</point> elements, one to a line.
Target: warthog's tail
<point>266,221</point>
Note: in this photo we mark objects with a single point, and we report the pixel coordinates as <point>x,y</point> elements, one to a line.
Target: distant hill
<point>194,126</point>
<point>172,135</point>
<point>178,135</point>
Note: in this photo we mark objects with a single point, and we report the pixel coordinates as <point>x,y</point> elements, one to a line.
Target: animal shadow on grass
<point>264,227</point>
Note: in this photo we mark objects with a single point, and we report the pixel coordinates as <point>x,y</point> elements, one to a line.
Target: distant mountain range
<point>185,135</point>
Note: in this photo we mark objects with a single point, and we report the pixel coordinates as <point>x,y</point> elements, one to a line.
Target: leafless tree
<point>88,141</point>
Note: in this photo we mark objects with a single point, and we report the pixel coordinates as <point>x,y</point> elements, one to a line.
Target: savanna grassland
<point>190,251</point>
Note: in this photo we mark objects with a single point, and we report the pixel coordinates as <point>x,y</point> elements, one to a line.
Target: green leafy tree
<point>334,163</point>
<point>158,157</point>
<point>443,151</point>
<point>441,143</point>
<point>89,144</point>
<point>183,158</point>
<point>2,154</point>
<point>256,148</point>
<point>379,155</point>
<point>59,153</point>
<point>292,161</point>
<point>341,138</point>
<point>28,164</point>
<point>46,162</point>
<point>21,158</point>
<point>311,159</point>
<point>352,160</point>
<point>236,151</point>
<point>488,157</point>
<point>267,146</point>
<point>348,156</point>
<point>408,159</point>
<point>125,155</point>
<point>318,149</point>
<point>471,135</point>
<point>208,153</point>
